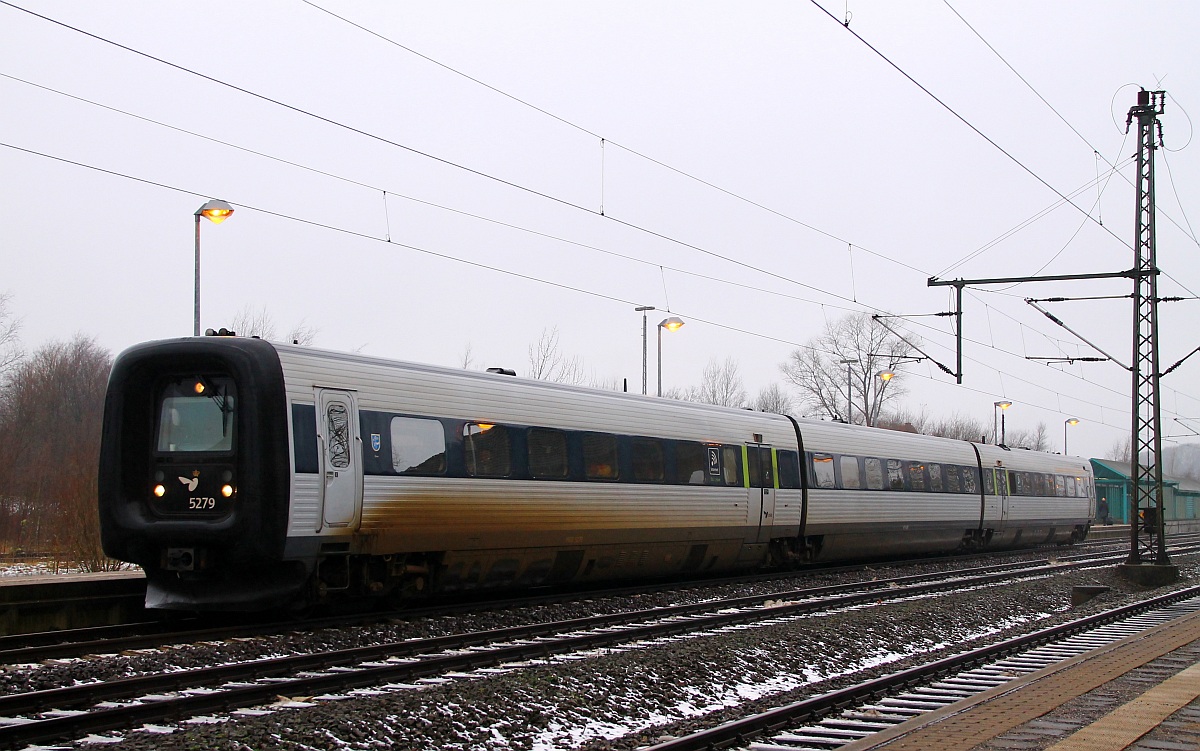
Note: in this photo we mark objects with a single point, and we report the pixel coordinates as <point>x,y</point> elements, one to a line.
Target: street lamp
<point>885,375</point>
<point>216,212</point>
<point>849,393</point>
<point>643,310</point>
<point>670,324</point>
<point>1068,421</point>
<point>1003,406</point>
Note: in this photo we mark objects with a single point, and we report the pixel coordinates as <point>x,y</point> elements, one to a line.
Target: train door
<point>760,487</point>
<point>341,457</point>
<point>1001,483</point>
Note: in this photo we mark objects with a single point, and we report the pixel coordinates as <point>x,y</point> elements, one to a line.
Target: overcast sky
<point>417,180</point>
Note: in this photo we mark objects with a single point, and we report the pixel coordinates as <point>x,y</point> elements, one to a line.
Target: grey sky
<point>776,104</point>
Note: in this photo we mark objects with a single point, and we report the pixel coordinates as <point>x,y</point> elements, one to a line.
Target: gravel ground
<point>608,699</point>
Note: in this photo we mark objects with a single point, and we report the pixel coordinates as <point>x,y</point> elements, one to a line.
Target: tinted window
<point>599,456</point>
<point>895,473</point>
<point>1060,485</point>
<point>874,469</point>
<point>731,462</point>
<point>851,476</point>
<point>989,485</point>
<point>968,479</point>
<point>916,475</point>
<point>691,463</point>
<point>952,478</point>
<point>647,455</point>
<point>485,450</point>
<point>789,469</point>
<point>418,446</point>
<point>547,453</point>
<point>935,477</point>
<point>823,472</point>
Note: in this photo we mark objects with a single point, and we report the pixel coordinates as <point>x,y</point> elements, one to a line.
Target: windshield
<point>196,414</point>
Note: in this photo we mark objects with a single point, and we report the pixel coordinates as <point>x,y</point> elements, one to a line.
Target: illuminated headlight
<point>160,491</point>
<point>227,491</point>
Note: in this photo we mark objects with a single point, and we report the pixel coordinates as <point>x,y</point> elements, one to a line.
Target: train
<point>247,475</point>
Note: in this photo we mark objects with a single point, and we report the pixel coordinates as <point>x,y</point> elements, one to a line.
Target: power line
<point>495,269</point>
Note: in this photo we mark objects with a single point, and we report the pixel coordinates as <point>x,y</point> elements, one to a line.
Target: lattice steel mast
<point>1145,459</point>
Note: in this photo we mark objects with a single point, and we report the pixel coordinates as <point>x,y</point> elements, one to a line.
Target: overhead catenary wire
<point>508,272</point>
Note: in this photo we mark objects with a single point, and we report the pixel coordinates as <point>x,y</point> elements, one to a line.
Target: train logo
<point>191,482</point>
<point>375,442</point>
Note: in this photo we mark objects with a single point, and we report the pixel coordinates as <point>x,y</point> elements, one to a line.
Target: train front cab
<point>194,476</point>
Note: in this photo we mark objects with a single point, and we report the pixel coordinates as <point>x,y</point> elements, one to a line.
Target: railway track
<point>55,714</point>
<point>838,718</point>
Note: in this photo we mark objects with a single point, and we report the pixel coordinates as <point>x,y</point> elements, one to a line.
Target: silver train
<point>243,475</point>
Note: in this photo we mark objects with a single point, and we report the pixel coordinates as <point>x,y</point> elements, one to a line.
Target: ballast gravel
<point>620,698</point>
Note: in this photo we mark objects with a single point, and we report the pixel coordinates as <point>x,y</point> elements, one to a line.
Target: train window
<point>851,475</point>
<point>823,473</point>
<point>952,478</point>
<point>935,477</point>
<point>197,414</point>
<point>874,469</point>
<point>599,456</point>
<point>691,463</point>
<point>486,450</point>
<point>916,476</point>
<point>989,483</point>
<point>647,455</point>
<point>968,480</point>
<point>1024,483</point>
<point>1080,488</point>
<point>789,469</point>
<point>730,463</point>
<point>1070,483</point>
<point>547,453</point>
<point>418,446</point>
<point>1060,486</point>
<point>895,471</point>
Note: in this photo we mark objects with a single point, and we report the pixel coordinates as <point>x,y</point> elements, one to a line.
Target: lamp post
<point>643,310</point>
<point>849,393</point>
<point>216,212</point>
<point>1003,405</point>
<point>1068,421</point>
<point>670,324</point>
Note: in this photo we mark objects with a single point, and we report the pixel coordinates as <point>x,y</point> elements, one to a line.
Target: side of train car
<point>242,474</point>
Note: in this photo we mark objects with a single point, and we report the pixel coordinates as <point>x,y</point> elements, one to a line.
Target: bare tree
<point>773,399</point>
<point>722,384</point>
<point>838,370</point>
<point>548,363</point>
<point>250,322</point>
<point>1121,451</point>
<point>468,357</point>
<point>957,426</point>
<point>1037,439</point>
<point>10,341</point>
<point>51,409</point>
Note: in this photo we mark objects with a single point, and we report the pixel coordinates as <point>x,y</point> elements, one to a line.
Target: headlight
<point>227,491</point>
<point>160,491</point>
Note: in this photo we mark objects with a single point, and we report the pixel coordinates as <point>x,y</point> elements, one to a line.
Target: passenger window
<point>874,469</point>
<point>647,460</point>
<point>1060,486</point>
<point>731,457</point>
<point>895,474</point>
<point>789,469</point>
<point>599,456</point>
<point>823,473</point>
<point>935,477</point>
<point>418,446</point>
<point>486,450</point>
<point>691,463</point>
<point>851,476</point>
<point>968,480</point>
<point>916,476</point>
<point>547,453</point>
<point>952,475</point>
<point>989,484</point>
<point>1070,483</point>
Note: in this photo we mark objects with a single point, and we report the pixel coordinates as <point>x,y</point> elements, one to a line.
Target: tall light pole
<point>643,310</point>
<point>216,212</point>
<point>1068,421</point>
<point>670,324</point>
<point>1002,406</point>
<point>849,393</point>
<point>886,375</point>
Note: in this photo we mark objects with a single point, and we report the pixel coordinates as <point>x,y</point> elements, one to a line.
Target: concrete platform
<point>1138,693</point>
